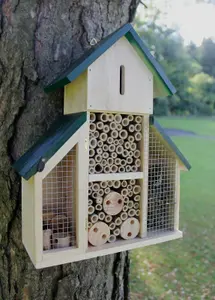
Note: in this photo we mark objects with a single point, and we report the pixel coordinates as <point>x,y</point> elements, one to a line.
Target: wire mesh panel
<point>161,186</point>
<point>59,196</point>
<point>114,145</point>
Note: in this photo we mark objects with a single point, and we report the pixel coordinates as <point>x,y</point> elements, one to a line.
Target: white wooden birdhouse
<point>105,178</point>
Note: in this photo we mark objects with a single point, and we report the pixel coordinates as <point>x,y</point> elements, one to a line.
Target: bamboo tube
<point>123,134</point>
<point>98,168</point>
<point>112,238</point>
<point>138,119</point>
<point>106,128</point>
<point>133,147</point>
<point>99,125</point>
<point>125,122</point>
<point>110,161</point>
<point>130,194</point>
<point>137,198</point>
<point>101,192</point>
<point>92,117</point>
<point>136,205</point>
<point>131,128</point>
<point>128,168</point>
<point>93,143</point>
<point>118,118</point>
<point>92,127</point>
<point>90,202</point>
<point>99,151</point>
<point>137,153</point>
<point>89,191</point>
<point>99,200</point>
<point>138,127</point>
<point>125,208</point>
<point>91,170</point>
<point>106,169</point>
<point>134,168</point>
<point>124,183</point>
<point>110,183</point>
<point>118,221</point>
<point>91,135</point>
<point>126,199</point>
<point>123,162</point>
<point>132,181</point>
<point>127,145</point>
<point>114,168</point>
<point>95,187</point>
<point>113,126</point>
<point>121,169</point>
<point>116,184</point>
<point>136,189</point>
<point>124,192</point>
<point>98,158</point>
<point>91,152</point>
<point>131,212</point>
<point>91,210</point>
<point>121,142</point>
<point>131,139</point>
<point>107,190</point>
<point>138,162</point>
<point>114,134</point>
<point>116,232</point>
<point>119,149</point>
<point>96,134</point>
<point>129,187</point>
<point>113,155</point>
<point>95,195</point>
<point>129,160</point>
<point>116,142</point>
<point>130,204</point>
<point>138,136</point>
<point>105,148</point>
<point>105,155</point>
<point>108,218</point>
<point>90,225</point>
<point>137,213</point>
<point>110,117</point>
<point>130,118</point>
<point>103,117</point>
<point>104,162</point>
<point>101,215</point>
<point>98,207</point>
<point>100,144</point>
<point>90,184</point>
<point>123,216</point>
<point>125,153</point>
<point>103,136</point>
<point>103,184</point>
<point>131,153</point>
<point>118,127</point>
<point>94,218</point>
<point>117,161</point>
<point>112,226</point>
<point>111,148</point>
<point>110,140</point>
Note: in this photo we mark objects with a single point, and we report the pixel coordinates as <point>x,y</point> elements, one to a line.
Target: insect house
<point>105,177</point>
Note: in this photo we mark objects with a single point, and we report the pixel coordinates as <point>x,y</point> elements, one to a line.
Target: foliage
<point>184,269</point>
<point>190,68</point>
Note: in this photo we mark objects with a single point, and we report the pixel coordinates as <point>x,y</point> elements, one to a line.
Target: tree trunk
<point>38,40</point>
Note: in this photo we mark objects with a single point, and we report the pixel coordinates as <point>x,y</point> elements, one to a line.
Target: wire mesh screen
<point>161,186</point>
<point>59,224</point>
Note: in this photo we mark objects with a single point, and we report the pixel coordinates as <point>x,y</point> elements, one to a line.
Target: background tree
<point>38,40</point>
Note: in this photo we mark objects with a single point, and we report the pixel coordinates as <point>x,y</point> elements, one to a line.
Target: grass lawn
<point>184,269</point>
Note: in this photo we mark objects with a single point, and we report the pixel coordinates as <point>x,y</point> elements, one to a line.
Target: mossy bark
<point>38,40</point>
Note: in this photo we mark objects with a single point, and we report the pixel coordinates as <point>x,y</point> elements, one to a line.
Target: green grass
<point>202,126</point>
<point>184,268</point>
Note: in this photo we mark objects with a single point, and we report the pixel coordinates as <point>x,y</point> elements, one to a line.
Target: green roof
<point>162,85</point>
<point>170,142</point>
<point>30,163</point>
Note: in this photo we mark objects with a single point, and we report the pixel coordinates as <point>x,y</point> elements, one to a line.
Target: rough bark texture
<point>38,40</point>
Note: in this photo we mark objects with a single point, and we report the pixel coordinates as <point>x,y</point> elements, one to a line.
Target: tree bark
<point>38,40</point>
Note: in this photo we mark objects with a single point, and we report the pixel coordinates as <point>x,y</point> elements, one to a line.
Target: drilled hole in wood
<point>108,202</point>
<point>132,222</point>
<point>95,229</point>
<point>104,236</point>
<point>119,201</point>
<point>129,233</point>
